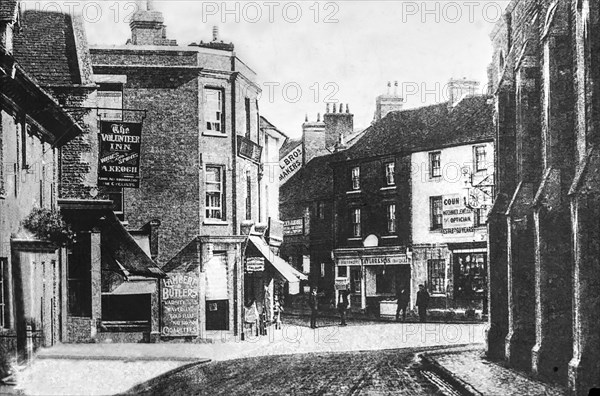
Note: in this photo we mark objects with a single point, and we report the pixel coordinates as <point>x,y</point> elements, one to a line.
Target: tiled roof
<point>8,10</point>
<point>45,47</point>
<point>313,181</point>
<point>288,146</point>
<point>426,128</point>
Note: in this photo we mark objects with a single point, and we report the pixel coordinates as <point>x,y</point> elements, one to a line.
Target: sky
<point>307,52</point>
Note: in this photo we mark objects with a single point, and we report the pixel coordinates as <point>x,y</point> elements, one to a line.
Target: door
<point>217,297</point>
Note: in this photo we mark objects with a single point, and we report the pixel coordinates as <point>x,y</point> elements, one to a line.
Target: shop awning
<point>285,270</point>
<point>135,287</point>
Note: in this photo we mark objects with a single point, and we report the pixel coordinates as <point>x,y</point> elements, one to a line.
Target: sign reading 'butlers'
<point>119,159</point>
<point>180,304</point>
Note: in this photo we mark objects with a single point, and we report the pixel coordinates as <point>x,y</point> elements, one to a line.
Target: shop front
<point>372,274</point>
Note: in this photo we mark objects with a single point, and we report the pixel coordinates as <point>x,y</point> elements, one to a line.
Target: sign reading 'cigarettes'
<point>119,159</point>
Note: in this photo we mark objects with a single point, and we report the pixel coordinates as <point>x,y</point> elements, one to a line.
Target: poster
<point>119,159</point>
<point>180,304</point>
<point>456,217</point>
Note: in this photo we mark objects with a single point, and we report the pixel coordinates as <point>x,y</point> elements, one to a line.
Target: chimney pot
<point>306,118</point>
<point>347,108</point>
<point>327,108</point>
<point>334,108</point>
<point>318,117</point>
<point>341,108</point>
<point>215,33</point>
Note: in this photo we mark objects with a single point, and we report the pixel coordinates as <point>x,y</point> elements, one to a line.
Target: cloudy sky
<point>308,52</point>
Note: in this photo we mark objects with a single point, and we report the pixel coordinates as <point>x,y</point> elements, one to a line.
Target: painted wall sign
<point>456,217</point>
<point>290,164</point>
<point>180,304</point>
<point>373,260</point>
<point>293,227</point>
<point>119,159</point>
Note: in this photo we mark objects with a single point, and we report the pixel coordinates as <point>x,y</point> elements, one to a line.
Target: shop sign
<point>290,164</point>
<point>456,217</point>
<point>255,264</point>
<point>180,304</point>
<point>373,260</point>
<point>342,284</point>
<point>293,227</point>
<point>119,158</point>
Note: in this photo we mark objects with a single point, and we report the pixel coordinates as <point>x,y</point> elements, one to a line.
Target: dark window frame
<point>434,217</point>
<point>435,164</point>
<point>206,129</point>
<point>436,276</point>
<point>221,208</point>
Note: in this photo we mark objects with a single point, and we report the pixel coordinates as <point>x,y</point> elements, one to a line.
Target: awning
<point>135,287</point>
<point>287,271</point>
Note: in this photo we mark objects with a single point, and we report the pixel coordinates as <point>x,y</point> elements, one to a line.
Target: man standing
<point>402,304</point>
<point>313,302</point>
<point>343,306</point>
<point>422,303</point>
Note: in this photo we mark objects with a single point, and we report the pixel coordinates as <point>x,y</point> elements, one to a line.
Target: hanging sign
<point>119,159</point>
<point>255,264</point>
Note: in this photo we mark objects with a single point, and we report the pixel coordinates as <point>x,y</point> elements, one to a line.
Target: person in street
<point>277,309</point>
<point>342,306</point>
<point>313,302</point>
<point>403,299</point>
<point>422,303</point>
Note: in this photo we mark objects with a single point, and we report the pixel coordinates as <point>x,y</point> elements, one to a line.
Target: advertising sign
<point>255,264</point>
<point>180,304</point>
<point>119,159</point>
<point>456,217</point>
<point>342,284</point>
<point>290,164</point>
<point>293,227</point>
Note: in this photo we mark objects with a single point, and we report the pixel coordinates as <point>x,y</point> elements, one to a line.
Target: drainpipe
<point>234,180</point>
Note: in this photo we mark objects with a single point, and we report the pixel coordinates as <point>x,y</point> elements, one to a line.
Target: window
<point>3,293</point>
<point>435,204</point>
<point>355,280</point>
<point>389,173</point>
<point>248,196</point>
<point>343,272</point>
<point>214,193</point>
<point>322,270</point>
<point>479,158</point>
<point>435,164</point>
<point>247,109</point>
<point>116,195</point>
<point>391,218</point>
<point>470,275</point>
<point>213,110</point>
<point>320,210</point>
<point>110,96</point>
<point>355,222</point>
<point>480,216</point>
<point>356,178</point>
<point>436,275</point>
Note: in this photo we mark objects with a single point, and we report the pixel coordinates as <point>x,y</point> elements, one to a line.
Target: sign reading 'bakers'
<point>119,159</point>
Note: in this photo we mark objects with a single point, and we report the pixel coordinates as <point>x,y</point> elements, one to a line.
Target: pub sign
<point>119,159</point>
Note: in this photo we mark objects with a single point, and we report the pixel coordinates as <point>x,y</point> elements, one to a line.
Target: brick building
<point>206,168</point>
<point>392,228</point>
<point>544,276</point>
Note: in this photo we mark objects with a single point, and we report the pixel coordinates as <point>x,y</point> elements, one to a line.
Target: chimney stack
<point>338,125</point>
<point>459,89</point>
<point>147,26</point>
<point>385,104</point>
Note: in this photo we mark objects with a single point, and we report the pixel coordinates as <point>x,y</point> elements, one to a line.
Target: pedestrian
<point>277,310</point>
<point>402,304</point>
<point>422,303</point>
<point>313,302</point>
<point>342,306</point>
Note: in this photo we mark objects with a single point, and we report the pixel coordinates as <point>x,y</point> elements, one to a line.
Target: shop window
<point>389,173</point>
<point>479,158</point>
<point>213,110</point>
<point>435,164</point>
<point>79,280</point>
<point>214,193</point>
<point>343,271</point>
<point>384,282</point>
<point>436,276</point>
<point>356,178</point>
<point>355,219</point>
<point>470,275</point>
<point>391,218</point>
<point>3,293</point>
<point>435,204</point>
<point>134,308</point>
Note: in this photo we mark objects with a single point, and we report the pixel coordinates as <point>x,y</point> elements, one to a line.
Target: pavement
<point>467,370</point>
<point>106,369</point>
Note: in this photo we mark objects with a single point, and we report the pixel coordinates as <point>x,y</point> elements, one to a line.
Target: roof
<point>313,181</point>
<point>9,10</point>
<point>52,47</point>
<point>264,123</point>
<point>426,128</point>
<point>288,146</point>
